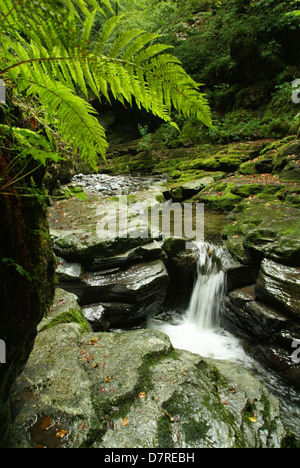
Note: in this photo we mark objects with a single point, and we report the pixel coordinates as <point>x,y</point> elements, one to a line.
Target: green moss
<point>71,316</point>
<point>164,432</point>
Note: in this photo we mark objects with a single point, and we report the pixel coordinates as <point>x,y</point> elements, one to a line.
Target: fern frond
<point>48,53</point>
<point>75,118</point>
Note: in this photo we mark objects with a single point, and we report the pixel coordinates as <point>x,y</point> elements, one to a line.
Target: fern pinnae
<point>77,121</point>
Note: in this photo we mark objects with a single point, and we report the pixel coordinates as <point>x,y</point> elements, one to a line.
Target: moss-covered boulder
<point>65,309</point>
<point>261,228</point>
<point>133,390</point>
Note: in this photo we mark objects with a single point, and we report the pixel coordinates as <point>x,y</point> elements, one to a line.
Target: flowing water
<point>198,331</point>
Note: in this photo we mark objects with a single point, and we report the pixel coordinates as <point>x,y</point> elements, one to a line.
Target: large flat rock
<point>133,390</point>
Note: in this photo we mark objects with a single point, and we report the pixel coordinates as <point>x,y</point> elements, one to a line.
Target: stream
<point>197,329</point>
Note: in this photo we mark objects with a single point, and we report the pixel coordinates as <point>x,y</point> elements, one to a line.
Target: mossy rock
<point>133,390</point>
<point>263,228</point>
<point>65,309</point>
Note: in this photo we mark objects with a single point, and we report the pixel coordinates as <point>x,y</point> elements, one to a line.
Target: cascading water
<point>199,330</point>
<point>207,298</point>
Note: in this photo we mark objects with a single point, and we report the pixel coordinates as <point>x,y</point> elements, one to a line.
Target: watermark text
<point>296,92</point>
<point>2,352</point>
<point>135,220</point>
<point>296,353</point>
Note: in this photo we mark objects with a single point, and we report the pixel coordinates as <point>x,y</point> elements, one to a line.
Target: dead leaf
<point>61,434</point>
<point>107,379</point>
<point>46,423</point>
<point>253,420</point>
<point>125,422</point>
<point>93,341</point>
<point>142,395</point>
<point>33,122</point>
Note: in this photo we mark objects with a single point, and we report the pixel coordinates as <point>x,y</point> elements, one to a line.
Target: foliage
<point>227,44</point>
<point>51,52</point>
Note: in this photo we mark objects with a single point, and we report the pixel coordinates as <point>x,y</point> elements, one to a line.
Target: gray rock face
<point>269,331</point>
<point>133,390</point>
<point>279,285</point>
<point>135,292</point>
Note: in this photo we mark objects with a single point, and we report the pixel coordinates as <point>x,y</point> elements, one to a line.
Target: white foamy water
<point>199,330</point>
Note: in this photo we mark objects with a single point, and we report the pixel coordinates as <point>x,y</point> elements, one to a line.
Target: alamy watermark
<point>296,92</point>
<point>2,92</point>
<point>135,220</point>
<point>296,353</point>
<point>2,352</point>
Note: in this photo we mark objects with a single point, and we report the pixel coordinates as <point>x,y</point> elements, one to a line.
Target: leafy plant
<point>46,53</point>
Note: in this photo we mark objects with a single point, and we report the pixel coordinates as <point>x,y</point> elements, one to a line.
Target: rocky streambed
<point>99,378</point>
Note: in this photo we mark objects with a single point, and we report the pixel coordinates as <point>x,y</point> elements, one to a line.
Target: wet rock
<point>138,291</point>
<point>238,275</point>
<point>67,271</point>
<point>95,231</point>
<point>269,332</point>
<point>133,390</point>
<point>279,285</point>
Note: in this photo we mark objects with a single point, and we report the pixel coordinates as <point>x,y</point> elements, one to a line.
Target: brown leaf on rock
<point>125,422</point>
<point>61,434</point>
<point>46,423</point>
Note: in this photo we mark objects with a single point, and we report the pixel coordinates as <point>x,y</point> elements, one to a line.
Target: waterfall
<point>207,298</point>
<point>199,329</point>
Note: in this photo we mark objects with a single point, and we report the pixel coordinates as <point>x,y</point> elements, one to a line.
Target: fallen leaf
<point>125,422</point>
<point>61,434</point>
<point>46,423</point>
<point>253,420</point>
<point>107,379</point>
<point>142,395</point>
<point>93,341</point>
